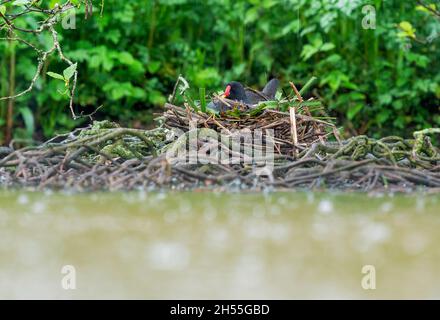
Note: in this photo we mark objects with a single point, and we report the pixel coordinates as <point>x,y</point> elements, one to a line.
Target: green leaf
<point>153,67</point>
<point>28,119</point>
<point>118,90</point>
<point>307,85</point>
<point>316,41</point>
<point>308,51</point>
<point>308,30</point>
<point>398,104</point>
<point>308,103</point>
<point>69,72</point>
<point>294,26</point>
<point>156,98</point>
<point>202,94</point>
<point>327,46</point>
<point>251,15</point>
<point>385,98</point>
<point>126,58</point>
<point>55,75</point>
<point>383,116</point>
<point>263,106</point>
<point>190,101</point>
<point>235,112</point>
<point>2,9</point>
<point>408,30</point>
<point>20,2</point>
<point>354,110</point>
<point>432,6</point>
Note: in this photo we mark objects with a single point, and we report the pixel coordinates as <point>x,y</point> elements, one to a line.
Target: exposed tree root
<point>106,157</point>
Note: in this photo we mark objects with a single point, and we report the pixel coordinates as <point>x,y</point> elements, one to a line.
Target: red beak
<point>227,91</point>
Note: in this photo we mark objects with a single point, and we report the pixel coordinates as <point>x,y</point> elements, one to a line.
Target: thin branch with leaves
<point>13,12</point>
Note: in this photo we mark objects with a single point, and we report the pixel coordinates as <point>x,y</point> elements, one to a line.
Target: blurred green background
<point>375,81</point>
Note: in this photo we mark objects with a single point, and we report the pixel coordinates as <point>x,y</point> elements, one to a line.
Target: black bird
<point>268,93</point>
<point>236,91</point>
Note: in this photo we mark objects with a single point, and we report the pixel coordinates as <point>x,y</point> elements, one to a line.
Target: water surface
<point>205,245</point>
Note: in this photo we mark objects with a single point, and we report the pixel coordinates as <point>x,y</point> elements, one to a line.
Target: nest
<point>113,158</point>
<point>292,122</point>
<point>278,124</point>
<point>107,157</point>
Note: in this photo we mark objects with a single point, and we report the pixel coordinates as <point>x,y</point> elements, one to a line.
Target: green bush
<point>129,59</point>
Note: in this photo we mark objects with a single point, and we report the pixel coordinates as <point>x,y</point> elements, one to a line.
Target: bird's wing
<point>271,88</point>
<point>254,96</point>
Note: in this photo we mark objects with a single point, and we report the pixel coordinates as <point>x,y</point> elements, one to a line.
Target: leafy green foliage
<point>377,81</point>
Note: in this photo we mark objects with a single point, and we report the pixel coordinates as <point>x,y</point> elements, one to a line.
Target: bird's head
<point>234,91</point>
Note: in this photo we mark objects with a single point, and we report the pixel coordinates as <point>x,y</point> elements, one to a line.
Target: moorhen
<point>236,91</point>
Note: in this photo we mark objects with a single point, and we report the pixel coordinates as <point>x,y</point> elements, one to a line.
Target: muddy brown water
<point>205,245</point>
